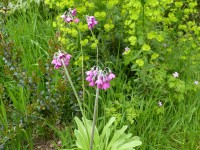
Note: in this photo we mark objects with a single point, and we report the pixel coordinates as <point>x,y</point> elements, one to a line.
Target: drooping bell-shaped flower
<point>99,78</point>
<point>60,58</point>
<point>73,12</point>
<point>69,16</point>
<point>91,21</point>
<point>68,19</point>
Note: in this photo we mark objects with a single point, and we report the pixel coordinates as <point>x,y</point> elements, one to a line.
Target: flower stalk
<point>96,100</point>
<point>75,93</point>
<point>94,117</point>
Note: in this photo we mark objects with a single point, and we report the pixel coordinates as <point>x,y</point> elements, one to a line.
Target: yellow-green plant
<point>109,138</point>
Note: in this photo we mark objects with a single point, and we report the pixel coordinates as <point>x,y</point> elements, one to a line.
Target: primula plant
<point>91,21</point>
<point>109,138</point>
<point>60,59</point>
<point>96,77</point>
<point>145,32</point>
<point>100,78</point>
<point>70,16</point>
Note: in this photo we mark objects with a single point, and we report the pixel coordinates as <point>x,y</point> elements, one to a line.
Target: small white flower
<point>175,74</point>
<point>196,82</point>
<point>126,51</point>
<point>59,143</point>
<point>160,103</point>
<point>126,48</point>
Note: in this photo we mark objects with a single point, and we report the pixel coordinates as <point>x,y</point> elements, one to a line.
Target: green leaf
<point>3,115</point>
<point>141,40</point>
<point>108,140</point>
<point>105,135</point>
<point>117,134</point>
<point>81,135</point>
<point>105,129</point>
<point>129,145</point>
<point>119,142</point>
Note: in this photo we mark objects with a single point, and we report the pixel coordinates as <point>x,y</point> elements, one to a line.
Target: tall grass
<point>30,33</point>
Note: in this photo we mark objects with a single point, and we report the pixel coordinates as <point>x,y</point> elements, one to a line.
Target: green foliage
<point>21,5</point>
<point>150,30</point>
<point>108,139</point>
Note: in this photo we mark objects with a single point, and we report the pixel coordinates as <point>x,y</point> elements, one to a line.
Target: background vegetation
<point>37,105</point>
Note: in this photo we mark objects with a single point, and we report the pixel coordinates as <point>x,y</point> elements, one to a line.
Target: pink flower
<point>110,76</point>
<point>99,86</point>
<point>89,79</point>
<point>99,77</point>
<point>99,80</point>
<point>68,19</point>
<point>95,72</point>
<point>68,56</point>
<point>60,55</point>
<point>57,63</point>
<point>73,12</point>
<point>91,21</point>
<point>92,83</point>
<point>105,85</point>
<point>76,20</point>
<point>89,73</point>
<point>70,16</point>
<point>175,74</point>
<point>60,58</point>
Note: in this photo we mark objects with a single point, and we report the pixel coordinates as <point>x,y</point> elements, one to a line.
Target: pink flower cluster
<point>91,21</point>
<point>59,57</point>
<point>70,16</point>
<point>99,78</point>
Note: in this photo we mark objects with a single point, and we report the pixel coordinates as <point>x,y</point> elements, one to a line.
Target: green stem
<point>94,117</point>
<point>96,100</point>
<point>75,93</point>
<point>82,69</point>
<point>97,61</point>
